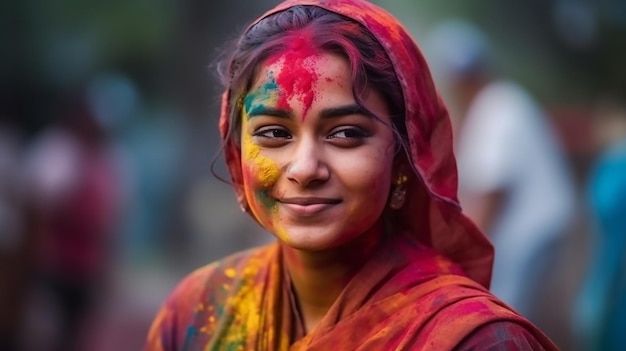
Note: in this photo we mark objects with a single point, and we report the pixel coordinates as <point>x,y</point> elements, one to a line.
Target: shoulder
<point>502,335</point>
<point>189,297</point>
<point>467,316</point>
<point>208,278</point>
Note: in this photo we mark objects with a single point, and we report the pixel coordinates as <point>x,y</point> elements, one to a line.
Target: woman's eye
<point>273,133</point>
<point>348,133</point>
<point>347,137</point>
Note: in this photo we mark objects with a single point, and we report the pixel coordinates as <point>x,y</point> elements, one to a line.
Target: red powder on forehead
<point>298,73</point>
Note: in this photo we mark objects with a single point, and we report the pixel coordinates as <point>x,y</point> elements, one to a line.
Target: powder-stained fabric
<point>407,297</point>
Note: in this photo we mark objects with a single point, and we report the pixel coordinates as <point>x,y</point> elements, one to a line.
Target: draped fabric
<point>425,288</point>
<point>407,297</point>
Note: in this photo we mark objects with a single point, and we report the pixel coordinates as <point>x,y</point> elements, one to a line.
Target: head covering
<point>434,217</point>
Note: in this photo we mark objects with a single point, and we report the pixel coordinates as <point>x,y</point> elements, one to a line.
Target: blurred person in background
<point>599,315</point>
<point>514,179</point>
<point>337,144</point>
<point>73,187</point>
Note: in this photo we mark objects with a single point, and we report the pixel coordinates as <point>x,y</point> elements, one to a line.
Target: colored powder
<point>281,234</point>
<point>269,203</point>
<point>265,93</point>
<point>243,306</point>
<point>264,170</point>
<point>297,75</point>
<point>191,332</point>
<point>266,200</point>
<point>199,307</point>
<point>230,272</point>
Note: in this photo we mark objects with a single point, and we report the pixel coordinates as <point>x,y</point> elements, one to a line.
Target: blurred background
<point>108,139</point>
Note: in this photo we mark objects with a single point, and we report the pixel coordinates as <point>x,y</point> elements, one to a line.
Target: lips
<point>308,206</point>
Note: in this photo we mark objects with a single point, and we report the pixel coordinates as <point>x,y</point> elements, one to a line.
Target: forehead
<point>300,70</point>
<point>303,76</point>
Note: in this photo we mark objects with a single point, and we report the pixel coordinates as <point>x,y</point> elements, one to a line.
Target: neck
<point>319,277</point>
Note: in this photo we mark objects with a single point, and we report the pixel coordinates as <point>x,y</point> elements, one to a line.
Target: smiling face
<point>316,168</point>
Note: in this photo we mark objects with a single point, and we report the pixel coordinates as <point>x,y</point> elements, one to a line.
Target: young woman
<point>338,144</point>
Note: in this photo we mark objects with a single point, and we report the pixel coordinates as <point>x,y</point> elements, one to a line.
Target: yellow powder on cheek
<point>265,170</point>
<point>266,173</point>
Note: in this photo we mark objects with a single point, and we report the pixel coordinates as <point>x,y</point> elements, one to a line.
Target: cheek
<point>259,173</point>
<point>369,184</point>
<point>373,193</point>
<point>259,176</point>
<point>371,171</point>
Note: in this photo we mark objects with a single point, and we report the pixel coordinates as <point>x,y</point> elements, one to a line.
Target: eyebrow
<point>262,110</point>
<point>340,111</point>
<point>332,112</point>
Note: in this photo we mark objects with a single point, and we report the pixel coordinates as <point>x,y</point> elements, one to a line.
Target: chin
<point>310,239</point>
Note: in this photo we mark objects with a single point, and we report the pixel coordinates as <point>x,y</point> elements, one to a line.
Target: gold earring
<point>398,195</point>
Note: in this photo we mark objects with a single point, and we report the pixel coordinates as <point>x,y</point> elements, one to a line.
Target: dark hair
<point>370,65</point>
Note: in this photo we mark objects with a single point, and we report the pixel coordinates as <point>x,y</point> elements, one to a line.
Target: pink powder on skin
<point>297,76</point>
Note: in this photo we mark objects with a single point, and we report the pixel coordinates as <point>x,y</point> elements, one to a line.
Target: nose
<point>308,167</point>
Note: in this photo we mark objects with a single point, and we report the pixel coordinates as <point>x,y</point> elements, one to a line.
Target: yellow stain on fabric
<point>230,272</point>
<point>244,306</point>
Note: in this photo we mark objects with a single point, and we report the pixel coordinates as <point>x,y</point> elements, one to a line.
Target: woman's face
<point>317,170</point>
